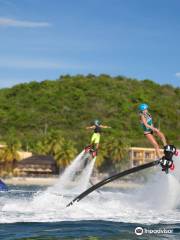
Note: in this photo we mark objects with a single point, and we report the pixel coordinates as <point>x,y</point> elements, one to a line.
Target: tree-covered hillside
<point>30,111</point>
<point>50,117</point>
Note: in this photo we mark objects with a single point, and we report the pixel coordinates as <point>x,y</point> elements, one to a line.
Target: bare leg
<point>152,140</point>
<point>162,137</point>
<point>97,146</point>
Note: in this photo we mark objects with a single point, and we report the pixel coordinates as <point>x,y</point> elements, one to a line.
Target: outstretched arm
<point>90,127</point>
<point>104,126</point>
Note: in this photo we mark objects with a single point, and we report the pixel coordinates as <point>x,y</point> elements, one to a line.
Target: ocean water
<point>32,212</point>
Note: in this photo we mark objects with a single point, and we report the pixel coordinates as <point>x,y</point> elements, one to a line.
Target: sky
<point>43,39</point>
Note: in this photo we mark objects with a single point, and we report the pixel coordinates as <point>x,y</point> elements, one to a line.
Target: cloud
<point>17,23</point>
<point>177,74</point>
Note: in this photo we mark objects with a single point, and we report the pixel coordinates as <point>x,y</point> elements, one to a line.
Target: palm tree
<point>118,151</point>
<point>112,153</point>
<point>65,153</point>
<point>62,150</point>
<point>9,155</point>
<point>49,144</point>
<point>40,147</point>
<point>102,155</point>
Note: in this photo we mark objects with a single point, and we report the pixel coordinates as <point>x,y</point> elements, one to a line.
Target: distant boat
<point>3,186</point>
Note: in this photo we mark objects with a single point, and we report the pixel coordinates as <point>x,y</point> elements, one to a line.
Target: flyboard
<point>3,186</point>
<point>165,162</point>
<point>90,152</point>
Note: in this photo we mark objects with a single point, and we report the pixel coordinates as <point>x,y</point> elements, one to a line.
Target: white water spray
<point>76,176</point>
<point>83,182</point>
<point>155,202</point>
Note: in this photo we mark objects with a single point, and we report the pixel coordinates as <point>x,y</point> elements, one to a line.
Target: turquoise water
<point>24,219</point>
<point>82,230</point>
<point>34,212</point>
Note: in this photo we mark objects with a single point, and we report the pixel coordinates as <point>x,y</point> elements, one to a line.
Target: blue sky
<point>43,39</point>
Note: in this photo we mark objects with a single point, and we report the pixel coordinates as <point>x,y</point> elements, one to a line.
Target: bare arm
<point>104,126</point>
<point>90,127</point>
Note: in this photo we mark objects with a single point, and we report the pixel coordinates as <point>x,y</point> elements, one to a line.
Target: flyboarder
<point>95,139</point>
<point>149,131</point>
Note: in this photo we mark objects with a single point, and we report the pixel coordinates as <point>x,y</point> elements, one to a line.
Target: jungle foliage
<point>32,112</point>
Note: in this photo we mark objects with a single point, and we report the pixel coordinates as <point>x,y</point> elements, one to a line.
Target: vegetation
<point>54,144</point>
<point>50,117</point>
<point>8,157</point>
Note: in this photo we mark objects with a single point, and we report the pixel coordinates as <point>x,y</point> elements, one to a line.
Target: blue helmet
<point>143,107</point>
<point>96,122</point>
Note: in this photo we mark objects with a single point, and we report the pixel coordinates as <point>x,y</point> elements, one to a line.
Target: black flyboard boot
<point>167,162</point>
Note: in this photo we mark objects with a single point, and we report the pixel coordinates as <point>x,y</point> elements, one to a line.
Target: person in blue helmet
<point>149,129</point>
<point>95,139</point>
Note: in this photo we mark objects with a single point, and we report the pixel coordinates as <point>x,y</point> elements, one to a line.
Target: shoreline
<point>49,181</point>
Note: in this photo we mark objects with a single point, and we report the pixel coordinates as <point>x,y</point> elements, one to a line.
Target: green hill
<point>29,111</point>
